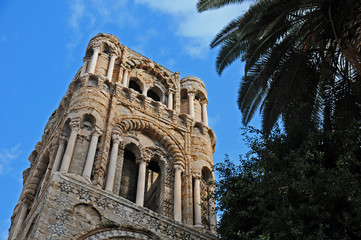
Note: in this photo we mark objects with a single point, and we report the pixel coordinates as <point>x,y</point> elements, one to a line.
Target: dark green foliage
<point>297,53</point>
<point>283,190</point>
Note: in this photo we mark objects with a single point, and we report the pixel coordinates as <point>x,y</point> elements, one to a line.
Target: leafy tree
<point>303,59</point>
<point>285,191</point>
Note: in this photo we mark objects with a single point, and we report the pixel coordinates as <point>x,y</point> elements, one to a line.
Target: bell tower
<point>127,155</point>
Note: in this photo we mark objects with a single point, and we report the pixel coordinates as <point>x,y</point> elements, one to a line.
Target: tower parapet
<point>128,153</point>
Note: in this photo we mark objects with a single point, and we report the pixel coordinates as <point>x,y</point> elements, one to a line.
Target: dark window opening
<point>184,96</point>
<point>77,85</point>
<point>153,187</point>
<point>134,85</point>
<point>128,185</point>
<point>153,95</point>
<point>93,82</point>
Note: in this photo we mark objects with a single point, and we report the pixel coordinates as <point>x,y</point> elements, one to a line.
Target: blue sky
<point>42,44</point>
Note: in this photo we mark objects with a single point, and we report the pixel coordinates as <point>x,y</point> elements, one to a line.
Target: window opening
<point>134,85</point>
<point>153,186</point>
<point>153,95</point>
<point>128,185</point>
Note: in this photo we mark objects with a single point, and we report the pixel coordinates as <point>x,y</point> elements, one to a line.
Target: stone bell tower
<point>127,155</point>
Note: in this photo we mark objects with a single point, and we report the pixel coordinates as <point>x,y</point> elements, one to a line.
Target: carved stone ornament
<point>97,131</point>
<point>197,175</point>
<point>116,138</point>
<point>178,167</point>
<point>75,124</point>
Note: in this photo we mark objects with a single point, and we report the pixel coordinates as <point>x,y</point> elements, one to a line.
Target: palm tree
<point>302,58</point>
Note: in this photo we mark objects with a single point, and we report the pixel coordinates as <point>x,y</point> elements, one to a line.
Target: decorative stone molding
<point>174,149</point>
<point>97,131</point>
<point>197,175</point>
<point>146,155</point>
<point>75,124</point>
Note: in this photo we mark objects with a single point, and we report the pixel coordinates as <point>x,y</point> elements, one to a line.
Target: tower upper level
<point>106,58</point>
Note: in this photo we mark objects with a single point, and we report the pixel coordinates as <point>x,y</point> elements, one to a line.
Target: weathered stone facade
<point>127,155</point>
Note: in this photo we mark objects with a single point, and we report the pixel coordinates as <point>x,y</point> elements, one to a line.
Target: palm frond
<point>204,5</point>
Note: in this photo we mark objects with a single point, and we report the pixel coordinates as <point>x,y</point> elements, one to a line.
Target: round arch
<point>165,138</point>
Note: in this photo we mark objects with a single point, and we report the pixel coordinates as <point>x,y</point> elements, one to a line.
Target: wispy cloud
<point>197,28</point>
<point>143,40</point>
<point>90,17</point>
<point>7,156</point>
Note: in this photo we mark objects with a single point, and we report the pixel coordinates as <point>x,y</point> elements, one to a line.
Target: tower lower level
<point>127,155</point>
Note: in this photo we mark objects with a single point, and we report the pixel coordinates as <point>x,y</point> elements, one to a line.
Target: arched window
<point>155,93</point>
<point>184,101</point>
<point>153,187</point>
<point>88,122</point>
<point>92,82</point>
<point>89,53</point>
<point>133,84</point>
<point>129,179</point>
<point>184,95</point>
<point>106,87</point>
<point>41,170</point>
<point>77,85</point>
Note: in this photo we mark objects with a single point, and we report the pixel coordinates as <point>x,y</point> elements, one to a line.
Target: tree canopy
<point>283,191</point>
<point>302,58</point>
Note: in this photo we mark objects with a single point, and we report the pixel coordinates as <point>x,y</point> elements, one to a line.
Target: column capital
<point>170,91</point>
<point>97,131</point>
<point>197,175</point>
<point>191,94</point>
<point>178,167</point>
<point>96,48</point>
<point>146,156</point>
<point>75,124</point>
<point>122,146</point>
<point>204,102</point>
<point>116,138</point>
<point>62,138</point>
<point>142,160</point>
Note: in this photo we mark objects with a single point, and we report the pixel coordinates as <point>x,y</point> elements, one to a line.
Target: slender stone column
<point>125,78</point>
<point>141,182</point>
<point>85,65</point>
<point>197,199</point>
<point>112,164</point>
<point>145,90</point>
<point>178,192</point>
<point>120,75</point>
<point>111,66</point>
<point>59,155</point>
<point>91,152</point>
<point>93,60</point>
<point>119,168</point>
<point>204,112</point>
<point>191,103</point>
<point>22,215</point>
<point>74,125</point>
<point>170,99</point>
